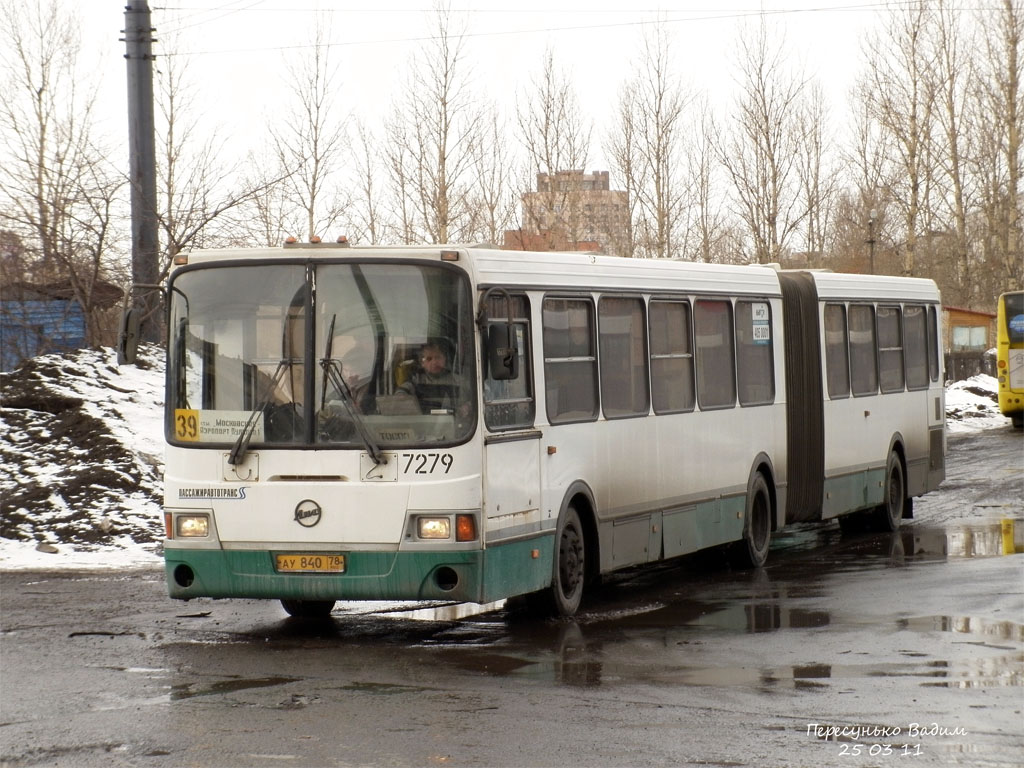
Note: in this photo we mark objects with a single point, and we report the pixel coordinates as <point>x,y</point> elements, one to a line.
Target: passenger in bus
<point>432,382</point>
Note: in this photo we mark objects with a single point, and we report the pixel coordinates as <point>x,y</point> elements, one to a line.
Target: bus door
<point>511,484</point>
<point>935,406</point>
<point>511,477</point>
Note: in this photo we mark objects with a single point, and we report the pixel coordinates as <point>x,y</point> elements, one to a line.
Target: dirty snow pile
<point>973,404</point>
<point>81,457</point>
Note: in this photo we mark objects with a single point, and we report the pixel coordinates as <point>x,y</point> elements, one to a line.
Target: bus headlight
<point>434,527</point>
<point>192,526</point>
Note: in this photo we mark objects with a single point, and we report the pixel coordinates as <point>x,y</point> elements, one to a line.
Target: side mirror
<point>502,352</point>
<point>128,337</point>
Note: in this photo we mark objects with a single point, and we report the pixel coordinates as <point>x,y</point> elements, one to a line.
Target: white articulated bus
<point>469,424</point>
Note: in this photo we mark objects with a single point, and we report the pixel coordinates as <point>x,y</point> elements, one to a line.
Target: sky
<point>236,50</point>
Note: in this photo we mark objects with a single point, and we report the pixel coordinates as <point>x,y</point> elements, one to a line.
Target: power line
<point>546,30</point>
<point>228,11</point>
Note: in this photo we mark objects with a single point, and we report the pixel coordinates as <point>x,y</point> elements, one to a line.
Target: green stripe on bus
<point>482,576</point>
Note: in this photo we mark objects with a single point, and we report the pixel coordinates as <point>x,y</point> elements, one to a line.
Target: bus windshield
<point>346,355</point>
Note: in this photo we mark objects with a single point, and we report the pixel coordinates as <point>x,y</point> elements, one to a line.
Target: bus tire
<point>308,609</point>
<point>1017,419</point>
<point>752,550</point>
<point>570,566</point>
<point>889,514</point>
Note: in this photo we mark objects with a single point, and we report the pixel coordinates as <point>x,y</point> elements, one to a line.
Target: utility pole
<point>872,217</point>
<point>146,296</point>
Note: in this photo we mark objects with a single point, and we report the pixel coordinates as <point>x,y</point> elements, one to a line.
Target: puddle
<point>450,612</point>
<point>986,630</point>
<point>992,538</point>
<point>417,611</point>
<point>763,617</point>
<point>382,689</point>
<point>191,690</point>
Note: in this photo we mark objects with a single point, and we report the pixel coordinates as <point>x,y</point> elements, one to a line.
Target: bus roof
<point>582,271</point>
<point>571,271</point>
<point>545,270</point>
<point>842,286</point>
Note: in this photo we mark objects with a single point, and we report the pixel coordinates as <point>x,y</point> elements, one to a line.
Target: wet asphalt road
<point>846,650</point>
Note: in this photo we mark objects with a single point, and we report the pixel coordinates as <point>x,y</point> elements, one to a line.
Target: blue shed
<point>36,320</point>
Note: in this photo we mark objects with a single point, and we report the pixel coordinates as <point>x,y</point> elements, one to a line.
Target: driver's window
<point>509,404</point>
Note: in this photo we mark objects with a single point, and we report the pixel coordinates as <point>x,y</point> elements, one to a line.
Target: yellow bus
<point>1010,355</point>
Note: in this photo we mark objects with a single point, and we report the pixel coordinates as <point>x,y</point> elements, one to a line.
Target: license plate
<point>310,563</point>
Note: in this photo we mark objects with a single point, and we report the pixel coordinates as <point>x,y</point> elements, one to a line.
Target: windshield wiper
<point>333,372</point>
<point>241,446</point>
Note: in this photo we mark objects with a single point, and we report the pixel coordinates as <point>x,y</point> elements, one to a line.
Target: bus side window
<point>890,349</point>
<point>671,356</point>
<point>570,360</point>
<point>716,367</point>
<point>863,360</point>
<point>623,346</point>
<point>837,364</point>
<point>915,346</point>
<point>510,403</point>
<point>754,353</point>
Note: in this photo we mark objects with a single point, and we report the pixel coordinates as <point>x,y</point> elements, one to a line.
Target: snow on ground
<point>81,456</point>
<point>973,404</point>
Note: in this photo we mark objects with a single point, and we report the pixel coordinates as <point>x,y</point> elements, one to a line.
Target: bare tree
<point>432,134</point>
<point>556,138</point>
<point>761,154</point>
<point>401,177</point>
<point>817,174</point>
<point>620,148</point>
<point>897,90</point>
<point>365,222</point>
<point>651,121</point>
<point>267,216</point>
<point>708,220</point>
<point>58,193</point>
<point>493,203</point>
<point>1000,123</point>
<point>199,192</point>
<point>311,140</point>
<point>955,80</point>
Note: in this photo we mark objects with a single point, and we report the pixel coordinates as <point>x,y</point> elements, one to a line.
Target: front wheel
<point>570,564</point>
<point>569,571</point>
<point>308,609</point>
<point>752,550</point>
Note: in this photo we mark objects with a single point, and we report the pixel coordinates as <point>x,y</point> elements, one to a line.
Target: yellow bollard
<point>1006,526</point>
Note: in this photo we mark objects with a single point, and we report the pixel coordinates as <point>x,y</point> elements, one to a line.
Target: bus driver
<point>432,383</point>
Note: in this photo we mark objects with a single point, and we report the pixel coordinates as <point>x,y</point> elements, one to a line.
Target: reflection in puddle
<point>986,539</point>
<point>763,617</point>
<point>190,690</point>
<point>984,628</point>
<point>382,689</point>
<point>419,611</point>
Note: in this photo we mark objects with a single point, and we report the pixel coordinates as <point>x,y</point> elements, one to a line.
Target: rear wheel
<point>752,550</point>
<point>889,515</point>
<point>308,609</point>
